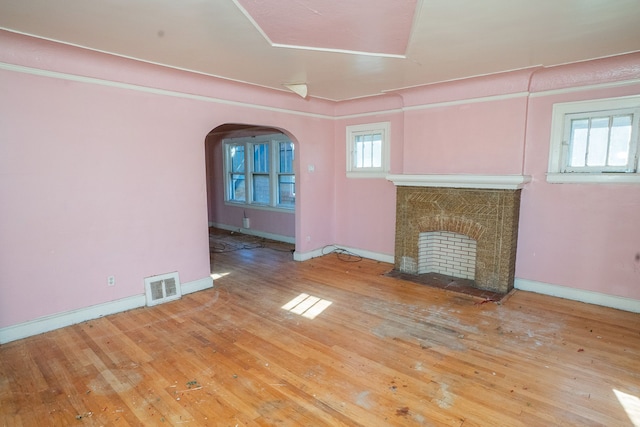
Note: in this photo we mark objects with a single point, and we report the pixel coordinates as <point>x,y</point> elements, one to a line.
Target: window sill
<point>252,206</point>
<point>358,174</point>
<point>593,178</point>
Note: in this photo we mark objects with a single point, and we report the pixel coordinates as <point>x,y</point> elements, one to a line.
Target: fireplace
<point>463,226</point>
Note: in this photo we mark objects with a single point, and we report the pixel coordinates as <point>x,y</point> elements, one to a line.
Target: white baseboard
<point>590,297</point>
<point>369,255</point>
<point>197,285</point>
<point>304,256</point>
<point>60,320</point>
<point>252,232</point>
<point>299,256</point>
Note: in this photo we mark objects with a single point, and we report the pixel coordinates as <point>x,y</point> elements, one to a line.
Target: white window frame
<point>274,171</point>
<point>382,128</point>
<point>559,172</point>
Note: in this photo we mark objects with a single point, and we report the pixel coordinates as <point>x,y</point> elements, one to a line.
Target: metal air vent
<point>162,288</point>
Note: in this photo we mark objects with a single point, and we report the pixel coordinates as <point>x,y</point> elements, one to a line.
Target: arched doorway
<point>258,197</point>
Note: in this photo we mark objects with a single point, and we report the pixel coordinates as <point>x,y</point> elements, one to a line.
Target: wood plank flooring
<point>383,352</point>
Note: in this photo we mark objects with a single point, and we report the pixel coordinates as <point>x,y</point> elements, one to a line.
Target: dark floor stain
<point>402,411</point>
<point>449,283</point>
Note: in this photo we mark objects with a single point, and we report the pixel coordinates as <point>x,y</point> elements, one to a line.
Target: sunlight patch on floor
<point>216,276</point>
<point>307,306</point>
<point>631,405</point>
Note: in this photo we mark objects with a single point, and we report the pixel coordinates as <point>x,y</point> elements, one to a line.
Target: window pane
<point>357,151</point>
<point>237,191</point>
<point>598,141</point>
<point>376,153</point>
<point>368,151</point>
<point>578,144</point>
<point>620,141</point>
<point>261,158</point>
<point>287,190</point>
<point>237,158</point>
<point>261,189</point>
<point>286,157</point>
<point>363,148</point>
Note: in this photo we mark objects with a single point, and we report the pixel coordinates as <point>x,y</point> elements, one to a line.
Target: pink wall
<point>96,182</point>
<point>366,208</point>
<point>584,236</point>
<point>448,131</point>
<point>473,138</point>
<point>100,179</point>
<point>581,236</point>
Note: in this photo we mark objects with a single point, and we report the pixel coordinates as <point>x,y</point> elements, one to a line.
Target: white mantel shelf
<point>496,182</point>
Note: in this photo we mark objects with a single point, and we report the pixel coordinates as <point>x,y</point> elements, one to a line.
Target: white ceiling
<point>449,39</point>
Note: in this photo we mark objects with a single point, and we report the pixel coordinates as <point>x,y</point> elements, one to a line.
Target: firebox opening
<point>448,253</point>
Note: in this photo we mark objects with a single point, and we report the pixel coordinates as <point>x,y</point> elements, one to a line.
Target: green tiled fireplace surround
<point>489,216</point>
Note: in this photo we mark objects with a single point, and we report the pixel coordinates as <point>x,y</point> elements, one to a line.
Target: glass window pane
<point>376,153</point>
<point>620,141</point>
<point>237,158</point>
<point>598,141</point>
<point>358,152</point>
<point>261,158</point>
<point>368,151</point>
<point>578,145</point>
<point>261,192</point>
<point>286,157</point>
<point>287,190</point>
<point>237,191</point>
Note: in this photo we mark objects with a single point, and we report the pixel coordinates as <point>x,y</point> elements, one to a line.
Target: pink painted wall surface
<point>366,214</point>
<point>41,54</point>
<point>448,132</point>
<point>494,85</point>
<point>315,200</point>
<point>96,182</point>
<point>469,138</point>
<point>366,207</point>
<point>101,180</point>
<point>583,236</point>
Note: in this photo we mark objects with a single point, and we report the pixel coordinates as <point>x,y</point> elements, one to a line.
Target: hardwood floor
<point>382,352</point>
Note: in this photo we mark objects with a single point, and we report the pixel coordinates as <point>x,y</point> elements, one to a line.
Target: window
<point>286,177</point>
<point>260,176</point>
<point>236,172</point>
<point>595,141</point>
<point>368,150</point>
<point>259,171</point>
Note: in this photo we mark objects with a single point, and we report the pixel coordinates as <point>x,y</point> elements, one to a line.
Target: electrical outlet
<point>111,281</point>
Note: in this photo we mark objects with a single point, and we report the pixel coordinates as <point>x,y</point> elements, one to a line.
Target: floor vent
<point>162,288</point>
